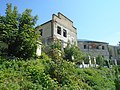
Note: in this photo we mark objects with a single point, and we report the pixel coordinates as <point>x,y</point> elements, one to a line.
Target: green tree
<point>8,27</point>
<point>55,50</point>
<point>73,53</point>
<point>27,36</point>
<point>18,32</point>
<point>100,60</point>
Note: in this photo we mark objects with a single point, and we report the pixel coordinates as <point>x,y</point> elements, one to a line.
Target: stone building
<point>114,52</point>
<point>61,28</point>
<point>58,28</point>
<point>94,48</point>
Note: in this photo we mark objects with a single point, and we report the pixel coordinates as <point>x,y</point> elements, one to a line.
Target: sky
<point>97,20</point>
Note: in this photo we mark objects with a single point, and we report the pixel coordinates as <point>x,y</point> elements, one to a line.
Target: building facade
<point>59,27</point>
<point>114,52</point>
<point>94,48</point>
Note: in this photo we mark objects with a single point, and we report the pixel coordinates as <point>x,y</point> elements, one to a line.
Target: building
<point>114,52</point>
<point>94,48</point>
<point>60,28</point>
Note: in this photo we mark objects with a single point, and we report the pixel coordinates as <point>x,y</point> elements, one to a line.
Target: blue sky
<point>94,19</point>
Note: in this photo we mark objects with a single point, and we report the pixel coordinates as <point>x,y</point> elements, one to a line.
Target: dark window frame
<point>85,46</point>
<point>59,30</point>
<point>97,47</point>
<point>103,47</point>
<point>64,33</point>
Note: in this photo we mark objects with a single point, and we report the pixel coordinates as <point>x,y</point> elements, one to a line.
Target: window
<point>64,33</point>
<point>59,30</point>
<point>85,47</point>
<point>103,47</point>
<point>41,32</point>
<point>97,47</point>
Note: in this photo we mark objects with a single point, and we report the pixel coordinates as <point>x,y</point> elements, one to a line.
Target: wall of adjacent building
<point>94,49</point>
<point>114,53</point>
<point>46,32</point>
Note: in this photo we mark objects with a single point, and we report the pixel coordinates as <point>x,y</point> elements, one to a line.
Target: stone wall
<point>68,31</point>
<point>94,48</point>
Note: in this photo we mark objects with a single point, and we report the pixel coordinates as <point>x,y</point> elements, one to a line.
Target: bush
<point>47,74</point>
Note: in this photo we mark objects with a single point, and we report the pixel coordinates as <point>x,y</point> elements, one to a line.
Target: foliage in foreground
<point>47,74</point>
<point>18,32</point>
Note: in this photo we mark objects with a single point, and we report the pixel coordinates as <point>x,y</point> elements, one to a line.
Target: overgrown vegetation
<point>47,74</point>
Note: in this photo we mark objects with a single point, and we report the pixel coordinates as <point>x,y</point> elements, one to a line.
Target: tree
<point>55,50</point>
<point>18,32</point>
<point>73,53</point>
<point>27,36</point>
<point>100,60</point>
<point>8,27</point>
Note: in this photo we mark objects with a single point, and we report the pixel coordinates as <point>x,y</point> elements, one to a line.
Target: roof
<point>45,22</point>
<point>90,41</point>
<point>37,27</point>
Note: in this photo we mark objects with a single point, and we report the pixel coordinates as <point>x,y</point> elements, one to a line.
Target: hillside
<point>47,74</point>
